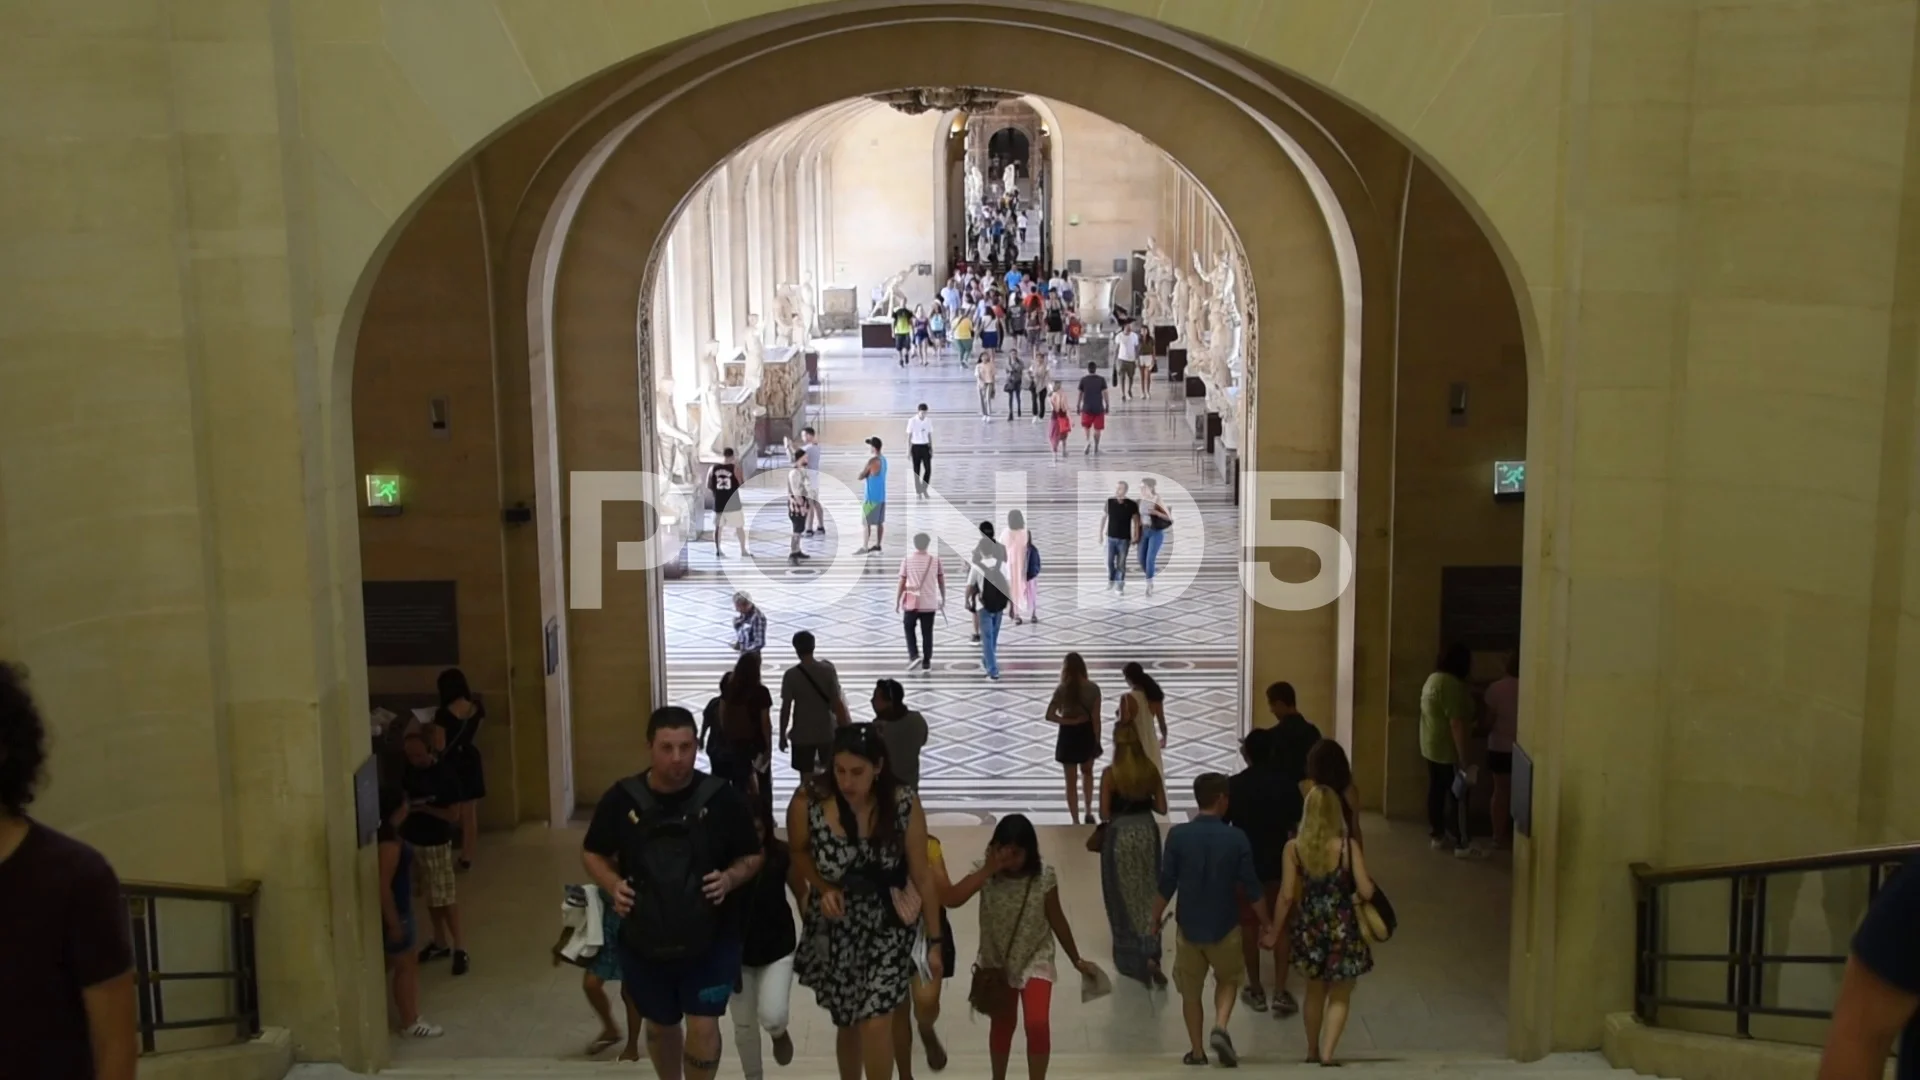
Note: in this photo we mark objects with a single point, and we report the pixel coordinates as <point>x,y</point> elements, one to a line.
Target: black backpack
<point>666,856</point>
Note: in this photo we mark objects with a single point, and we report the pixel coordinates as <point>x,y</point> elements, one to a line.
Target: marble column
<point>684,333</point>
<point>720,246</point>
<point>738,261</point>
<point>698,224</point>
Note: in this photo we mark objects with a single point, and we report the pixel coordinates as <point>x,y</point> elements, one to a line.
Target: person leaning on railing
<point>66,965</point>
<point>1880,991</point>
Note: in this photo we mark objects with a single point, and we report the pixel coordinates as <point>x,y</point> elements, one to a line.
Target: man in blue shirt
<point>1880,992</point>
<point>1209,865</point>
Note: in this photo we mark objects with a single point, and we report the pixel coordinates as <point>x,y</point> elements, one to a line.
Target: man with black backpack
<point>670,845</point>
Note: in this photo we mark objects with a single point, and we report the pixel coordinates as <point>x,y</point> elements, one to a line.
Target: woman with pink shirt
<point>1503,713</point>
<point>1023,570</point>
<point>922,591</point>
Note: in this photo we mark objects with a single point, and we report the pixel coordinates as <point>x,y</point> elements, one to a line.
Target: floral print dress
<point>1328,945</point>
<point>860,965</point>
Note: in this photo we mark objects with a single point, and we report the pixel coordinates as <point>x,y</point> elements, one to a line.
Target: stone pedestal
<point>876,334</point>
<point>1163,338</point>
<point>780,401</point>
<point>813,367</point>
<point>1176,361</point>
<point>1097,349</point>
<point>679,527</point>
<point>839,309</point>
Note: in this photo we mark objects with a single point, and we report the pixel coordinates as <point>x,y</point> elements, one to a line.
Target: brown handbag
<point>991,994</point>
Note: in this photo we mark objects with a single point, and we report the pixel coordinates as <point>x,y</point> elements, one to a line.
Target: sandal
<point>603,1044</point>
<point>936,1051</point>
<point>1194,1059</point>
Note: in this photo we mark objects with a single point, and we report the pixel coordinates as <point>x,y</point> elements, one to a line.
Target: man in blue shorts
<point>670,846</point>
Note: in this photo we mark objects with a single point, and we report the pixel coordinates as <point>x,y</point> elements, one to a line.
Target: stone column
<point>679,309</point>
<point>738,288</point>
<point>697,228</point>
<point>720,248</point>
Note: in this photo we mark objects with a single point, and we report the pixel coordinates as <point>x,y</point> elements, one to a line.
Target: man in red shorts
<point>1093,407</point>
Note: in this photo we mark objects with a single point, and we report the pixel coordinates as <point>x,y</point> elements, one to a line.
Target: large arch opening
<point>575,209</point>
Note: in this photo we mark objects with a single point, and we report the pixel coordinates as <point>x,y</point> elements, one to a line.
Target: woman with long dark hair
<point>1327,767</point>
<point>1075,707</point>
<point>455,725</point>
<point>1020,919</point>
<point>746,728</point>
<point>1144,707</point>
<point>859,844</point>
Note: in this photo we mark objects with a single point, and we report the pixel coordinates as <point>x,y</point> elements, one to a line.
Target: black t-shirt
<point>437,786</point>
<point>1293,739</point>
<point>724,482</point>
<point>740,722</point>
<point>1093,394</point>
<point>1121,514</point>
<point>1054,322</point>
<point>1888,943</point>
<point>769,934</point>
<point>63,928</point>
<point>730,822</point>
<point>1264,805</point>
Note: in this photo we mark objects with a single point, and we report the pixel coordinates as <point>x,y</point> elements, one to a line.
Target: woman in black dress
<point>455,724</point>
<point>1076,709</point>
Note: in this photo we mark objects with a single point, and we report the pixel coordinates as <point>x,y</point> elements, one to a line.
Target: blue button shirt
<point>1206,859</point>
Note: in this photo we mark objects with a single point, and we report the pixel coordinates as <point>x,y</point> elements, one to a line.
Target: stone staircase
<point>1064,1067</point>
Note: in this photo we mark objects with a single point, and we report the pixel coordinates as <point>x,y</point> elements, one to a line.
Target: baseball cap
<point>873,441</point>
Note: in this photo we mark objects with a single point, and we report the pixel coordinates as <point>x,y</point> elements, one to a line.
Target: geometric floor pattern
<point>990,750</point>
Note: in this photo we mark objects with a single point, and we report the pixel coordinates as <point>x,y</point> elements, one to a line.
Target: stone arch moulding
<point>658,94</point>
<point>599,261</point>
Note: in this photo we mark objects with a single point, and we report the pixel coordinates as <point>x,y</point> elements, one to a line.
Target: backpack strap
<point>705,787</point>
<point>636,788</point>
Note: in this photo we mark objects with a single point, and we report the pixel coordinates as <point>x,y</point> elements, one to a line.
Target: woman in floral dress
<point>1324,871</point>
<point>859,842</point>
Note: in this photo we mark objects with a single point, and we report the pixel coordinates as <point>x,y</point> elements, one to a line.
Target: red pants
<point>1036,1001</point>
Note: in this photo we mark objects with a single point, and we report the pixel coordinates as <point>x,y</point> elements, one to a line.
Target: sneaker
<point>801,555</point>
<point>423,1030</point>
<point>1222,1045</point>
<point>914,664</point>
<point>975,639</point>
<point>434,952</point>
<point>1436,843</point>
<point>1149,586</point>
<point>1469,853</point>
<point>460,961</point>
<point>1254,998</point>
<point>862,550</point>
<point>1284,1005</point>
<point>783,1049</point>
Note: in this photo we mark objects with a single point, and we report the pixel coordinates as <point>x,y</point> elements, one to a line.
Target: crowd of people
<point>700,886</point>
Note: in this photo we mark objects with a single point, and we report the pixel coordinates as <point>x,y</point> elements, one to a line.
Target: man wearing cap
<point>873,509</point>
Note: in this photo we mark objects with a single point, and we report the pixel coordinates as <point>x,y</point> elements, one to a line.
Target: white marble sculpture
<point>1093,293</point>
<point>710,440</point>
<point>1157,308</point>
<point>1008,177</point>
<point>674,441</point>
<point>809,301</point>
<point>889,296</point>
<point>976,188</point>
<point>791,324</point>
<point>753,354</point>
<point>1193,312</point>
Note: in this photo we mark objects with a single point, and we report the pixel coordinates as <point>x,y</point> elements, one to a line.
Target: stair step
<point>1064,1067</point>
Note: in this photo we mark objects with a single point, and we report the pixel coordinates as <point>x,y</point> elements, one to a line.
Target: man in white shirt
<point>920,449</point>
<point>1127,345</point>
<point>810,445</point>
<point>922,591</point>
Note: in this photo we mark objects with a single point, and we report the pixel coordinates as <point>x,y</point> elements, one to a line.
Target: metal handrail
<point>150,977</point>
<point>1746,958</point>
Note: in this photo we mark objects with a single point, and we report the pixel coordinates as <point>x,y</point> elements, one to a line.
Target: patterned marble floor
<point>991,751</point>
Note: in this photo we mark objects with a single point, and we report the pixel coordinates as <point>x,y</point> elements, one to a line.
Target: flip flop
<point>603,1044</point>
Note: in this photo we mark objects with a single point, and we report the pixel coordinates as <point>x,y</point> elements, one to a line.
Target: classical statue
<point>976,188</point>
<point>1157,309</point>
<point>809,302</point>
<point>1008,177</point>
<point>675,443</point>
<point>710,440</point>
<point>889,296</point>
<point>791,325</point>
<point>754,356</point>
<point>1194,311</point>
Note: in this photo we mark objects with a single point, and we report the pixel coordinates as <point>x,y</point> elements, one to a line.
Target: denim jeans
<point>1150,541</point>
<point>1117,559</point>
<point>990,639</point>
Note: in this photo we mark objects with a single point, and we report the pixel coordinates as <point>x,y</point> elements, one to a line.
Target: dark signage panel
<point>411,623</point>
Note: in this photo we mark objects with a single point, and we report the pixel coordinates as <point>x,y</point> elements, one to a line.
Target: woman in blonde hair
<point>1131,792</point>
<point>1326,874</point>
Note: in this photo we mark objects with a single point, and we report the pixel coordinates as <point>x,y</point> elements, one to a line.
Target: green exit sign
<point>383,492</point>
<point>1509,478</point>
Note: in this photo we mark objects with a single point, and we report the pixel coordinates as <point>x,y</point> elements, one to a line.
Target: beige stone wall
<point>883,220</point>
<point>1111,184</point>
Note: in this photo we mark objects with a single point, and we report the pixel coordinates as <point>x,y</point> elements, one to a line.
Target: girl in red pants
<point>1020,918</point>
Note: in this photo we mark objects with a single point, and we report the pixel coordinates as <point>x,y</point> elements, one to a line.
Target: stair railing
<point>1746,958</point>
<point>151,975</point>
